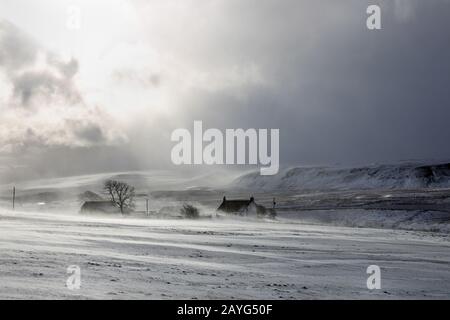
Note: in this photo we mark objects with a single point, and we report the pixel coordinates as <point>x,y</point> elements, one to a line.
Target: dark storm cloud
<point>341,93</point>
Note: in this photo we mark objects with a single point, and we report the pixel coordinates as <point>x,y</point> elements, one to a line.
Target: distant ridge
<point>388,176</point>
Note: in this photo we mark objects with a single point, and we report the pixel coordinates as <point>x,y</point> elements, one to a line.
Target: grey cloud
<point>87,131</point>
<point>143,77</point>
<point>17,50</point>
<point>44,83</point>
<point>53,112</point>
<point>68,69</point>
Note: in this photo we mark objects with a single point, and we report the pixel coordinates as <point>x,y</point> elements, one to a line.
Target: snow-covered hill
<point>398,176</point>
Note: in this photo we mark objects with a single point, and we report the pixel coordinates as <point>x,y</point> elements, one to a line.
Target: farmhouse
<point>99,207</point>
<point>242,207</point>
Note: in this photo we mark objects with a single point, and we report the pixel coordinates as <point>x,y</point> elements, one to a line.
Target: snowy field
<point>127,258</point>
<point>319,247</point>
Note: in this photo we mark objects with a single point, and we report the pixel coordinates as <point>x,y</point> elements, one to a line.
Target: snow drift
<point>379,219</point>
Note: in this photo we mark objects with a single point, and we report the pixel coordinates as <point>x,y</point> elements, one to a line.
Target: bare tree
<point>121,193</point>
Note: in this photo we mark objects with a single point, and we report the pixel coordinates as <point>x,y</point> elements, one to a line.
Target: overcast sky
<point>108,95</point>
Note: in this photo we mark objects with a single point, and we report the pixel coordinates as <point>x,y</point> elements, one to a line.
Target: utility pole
<point>146,206</point>
<point>14,197</point>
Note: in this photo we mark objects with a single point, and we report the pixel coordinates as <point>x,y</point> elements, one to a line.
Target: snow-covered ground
<point>127,258</point>
<point>331,225</point>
